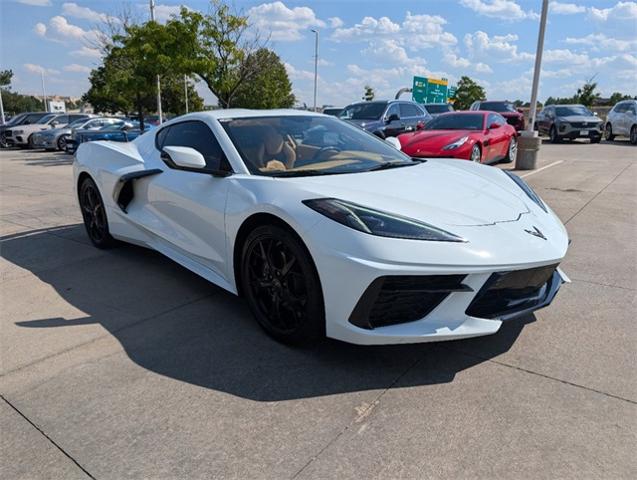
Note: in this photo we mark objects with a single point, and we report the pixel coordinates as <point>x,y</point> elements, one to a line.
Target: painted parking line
<point>543,168</point>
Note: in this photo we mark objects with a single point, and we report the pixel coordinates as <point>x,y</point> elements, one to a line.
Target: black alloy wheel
<point>633,135</point>
<point>94,215</point>
<point>282,286</point>
<point>555,138</point>
<point>608,133</point>
<point>62,142</point>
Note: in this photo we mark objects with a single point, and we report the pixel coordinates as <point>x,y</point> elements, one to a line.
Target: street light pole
<point>152,18</point>
<point>1,109</point>
<point>186,92</point>
<point>538,66</point>
<point>46,109</point>
<point>316,56</point>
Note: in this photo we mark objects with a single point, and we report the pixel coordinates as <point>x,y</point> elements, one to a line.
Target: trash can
<point>528,146</point>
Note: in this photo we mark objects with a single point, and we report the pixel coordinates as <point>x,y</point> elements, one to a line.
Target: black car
<point>21,119</point>
<point>436,109</point>
<point>386,118</point>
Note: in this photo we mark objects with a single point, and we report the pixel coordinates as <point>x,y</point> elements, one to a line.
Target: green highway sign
<point>431,90</point>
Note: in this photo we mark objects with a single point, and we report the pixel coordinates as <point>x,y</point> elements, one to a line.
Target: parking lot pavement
<point>121,364</point>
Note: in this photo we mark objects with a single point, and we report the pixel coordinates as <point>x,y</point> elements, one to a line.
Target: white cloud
<point>621,11</point>
<point>501,9</point>
<point>283,23</point>
<point>565,57</point>
<point>60,28</point>
<point>324,63</point>
<point>600,41</point>
<point>455,61</point>
<point>297,73</point>
<point>335,22</point>
<point>389,51</point>
<point>86,52</point>
<point>40,29</point>
<point>34,68</point>
<point>560,8</point>
<point>76,68</point>
<point>164,12</point>
<point>368,27</point>
<point>71,9</point>
<point>499,47</point>
<point>35,3</point>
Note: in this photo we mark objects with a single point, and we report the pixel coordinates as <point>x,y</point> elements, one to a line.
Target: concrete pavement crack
<point>66,454</point>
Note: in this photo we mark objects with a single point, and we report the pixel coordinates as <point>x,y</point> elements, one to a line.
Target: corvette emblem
<point>536,232</point>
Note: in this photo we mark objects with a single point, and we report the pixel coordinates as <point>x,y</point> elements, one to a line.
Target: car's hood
<point>581,118</point>
<point>33,127</point>
<point>433,139</point>
<point>438,192</point>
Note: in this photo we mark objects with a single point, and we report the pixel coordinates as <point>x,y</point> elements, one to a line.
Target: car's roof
<point>468,112</point>
<point>495,101</point>
<point>568,105</point>
<point>245,113</point>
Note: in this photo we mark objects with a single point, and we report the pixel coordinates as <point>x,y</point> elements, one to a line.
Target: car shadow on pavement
<point>33,158</point>
<point>205,336</point>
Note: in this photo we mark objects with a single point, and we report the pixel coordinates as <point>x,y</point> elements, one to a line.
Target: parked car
<point>57,138</point>
<point>333,111</point>
<point>358,242</point>
<point>436,109</point>
<point>120,131</point>
<point>622,121</point>
<point>23,136</point>
<point>569,122</point>
<point>386,118</point>
<point>483,137</point>
<point>514,116</point>
<point>20,119</point>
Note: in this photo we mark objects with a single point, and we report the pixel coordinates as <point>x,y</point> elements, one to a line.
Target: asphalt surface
<point>121,364</point>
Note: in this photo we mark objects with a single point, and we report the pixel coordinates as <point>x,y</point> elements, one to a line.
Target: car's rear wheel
<point>555,138</point>
<point>94,214</point>
<point>512,151</point>
<point>62,142</point>
<point>633,135</point>
<point>282,286</point>
<point>596,139</point>
<point>476,154</point>
<point>608,133</point>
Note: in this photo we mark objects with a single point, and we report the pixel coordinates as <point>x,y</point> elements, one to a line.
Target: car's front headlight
<point>456,144</point>
<point>527,189</point>
<point>375,222</point>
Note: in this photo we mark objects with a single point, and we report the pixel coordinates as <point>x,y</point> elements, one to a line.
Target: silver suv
<point>622,121</point>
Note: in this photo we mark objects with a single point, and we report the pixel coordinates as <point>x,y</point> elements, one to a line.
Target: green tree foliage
<point>5,77</point>
<point>270,87</point>
<point>15,102</point>
<point>369,94</point>
<point>618,97</point>
<point>586,95</point>
<point>468,91</point>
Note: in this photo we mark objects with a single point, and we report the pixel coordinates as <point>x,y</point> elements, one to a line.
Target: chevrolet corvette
<point>324,228</point>
<point>483,137</point>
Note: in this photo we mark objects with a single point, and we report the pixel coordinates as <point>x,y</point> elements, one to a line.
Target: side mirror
<point>595,113</point>
<point>394,142</point>
<point>184,157</point>
<point>493,126</point>
<point>393,117</point>
<point>420,125</point>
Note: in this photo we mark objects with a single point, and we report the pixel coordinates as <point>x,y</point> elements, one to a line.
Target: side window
<point>409,110</point>
<point>631,109</point>
<point>392,110</point>
<point>494,118</point>
<point>197,135</point>
<point>62,120</point>
<point>620,108</point>
<point>160,138</point>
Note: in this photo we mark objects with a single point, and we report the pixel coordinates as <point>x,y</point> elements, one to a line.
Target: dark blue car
<point>386,118</point>
<point>123,131</point>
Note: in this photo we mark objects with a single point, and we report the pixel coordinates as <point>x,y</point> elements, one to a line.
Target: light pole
<point>316,53</point>
<point>46,109</point>
<point>152,18</point>
<point>1,109</point>
<point>186,92</point>
<point>528,141</point>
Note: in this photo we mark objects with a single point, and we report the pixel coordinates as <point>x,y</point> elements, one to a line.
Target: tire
<point>94,215</point>
<point>476,154</point>
<point>30,144</point>
<point>281,285</point>
<point>633,135</point>
<point>512,151</point>
<point>596,139</point>
<point>608,133</point>
<point>62,142</point>
<point>554,137</point>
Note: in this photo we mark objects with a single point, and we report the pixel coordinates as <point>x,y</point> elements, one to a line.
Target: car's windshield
<point>47,118</point>
<point>497,107</point>
<point>573,110</point>
<point>457,121</point>
<point>298,145</point>
<point>15,119</point>
<point>438,107</point>
<point>363,111</point>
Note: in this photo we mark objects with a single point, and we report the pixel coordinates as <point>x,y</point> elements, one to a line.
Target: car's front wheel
<point>94,214</point>
<point>608,133</point>
<point>476,154</point>
<point>555,138</point>
<point>633,135</point>
<point>512,152</point>
<point>62,143</point>
<point>281,285</point>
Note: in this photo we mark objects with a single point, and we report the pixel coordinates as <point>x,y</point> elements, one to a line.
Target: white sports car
<point>326,229</point>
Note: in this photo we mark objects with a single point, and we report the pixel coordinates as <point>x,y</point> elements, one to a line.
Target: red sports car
<point>484,137</point>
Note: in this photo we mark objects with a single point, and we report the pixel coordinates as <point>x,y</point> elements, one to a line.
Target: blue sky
<point>380,43</point>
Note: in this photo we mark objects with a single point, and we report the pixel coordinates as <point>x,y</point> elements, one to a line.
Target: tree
<point>172,95</point>
<point>270,87</point>
<point>467,92</point>
<point>5,77</point>
<point>369,94</point>
<point>618,97</point>
<point>587,94</point>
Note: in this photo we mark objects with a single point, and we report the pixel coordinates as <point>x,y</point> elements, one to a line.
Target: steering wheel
<point>325,149</point>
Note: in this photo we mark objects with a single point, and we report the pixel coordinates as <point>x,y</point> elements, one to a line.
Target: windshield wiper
<point>299,173</point>
<point>388,165</point>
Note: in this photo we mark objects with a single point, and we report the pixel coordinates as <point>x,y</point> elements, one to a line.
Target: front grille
<point>583,124</point>
<point>392,300</point>
<point>8,133</point>
<point>507,293</point>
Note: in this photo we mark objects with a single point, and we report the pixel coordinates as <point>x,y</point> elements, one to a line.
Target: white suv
<point>622,121</point>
